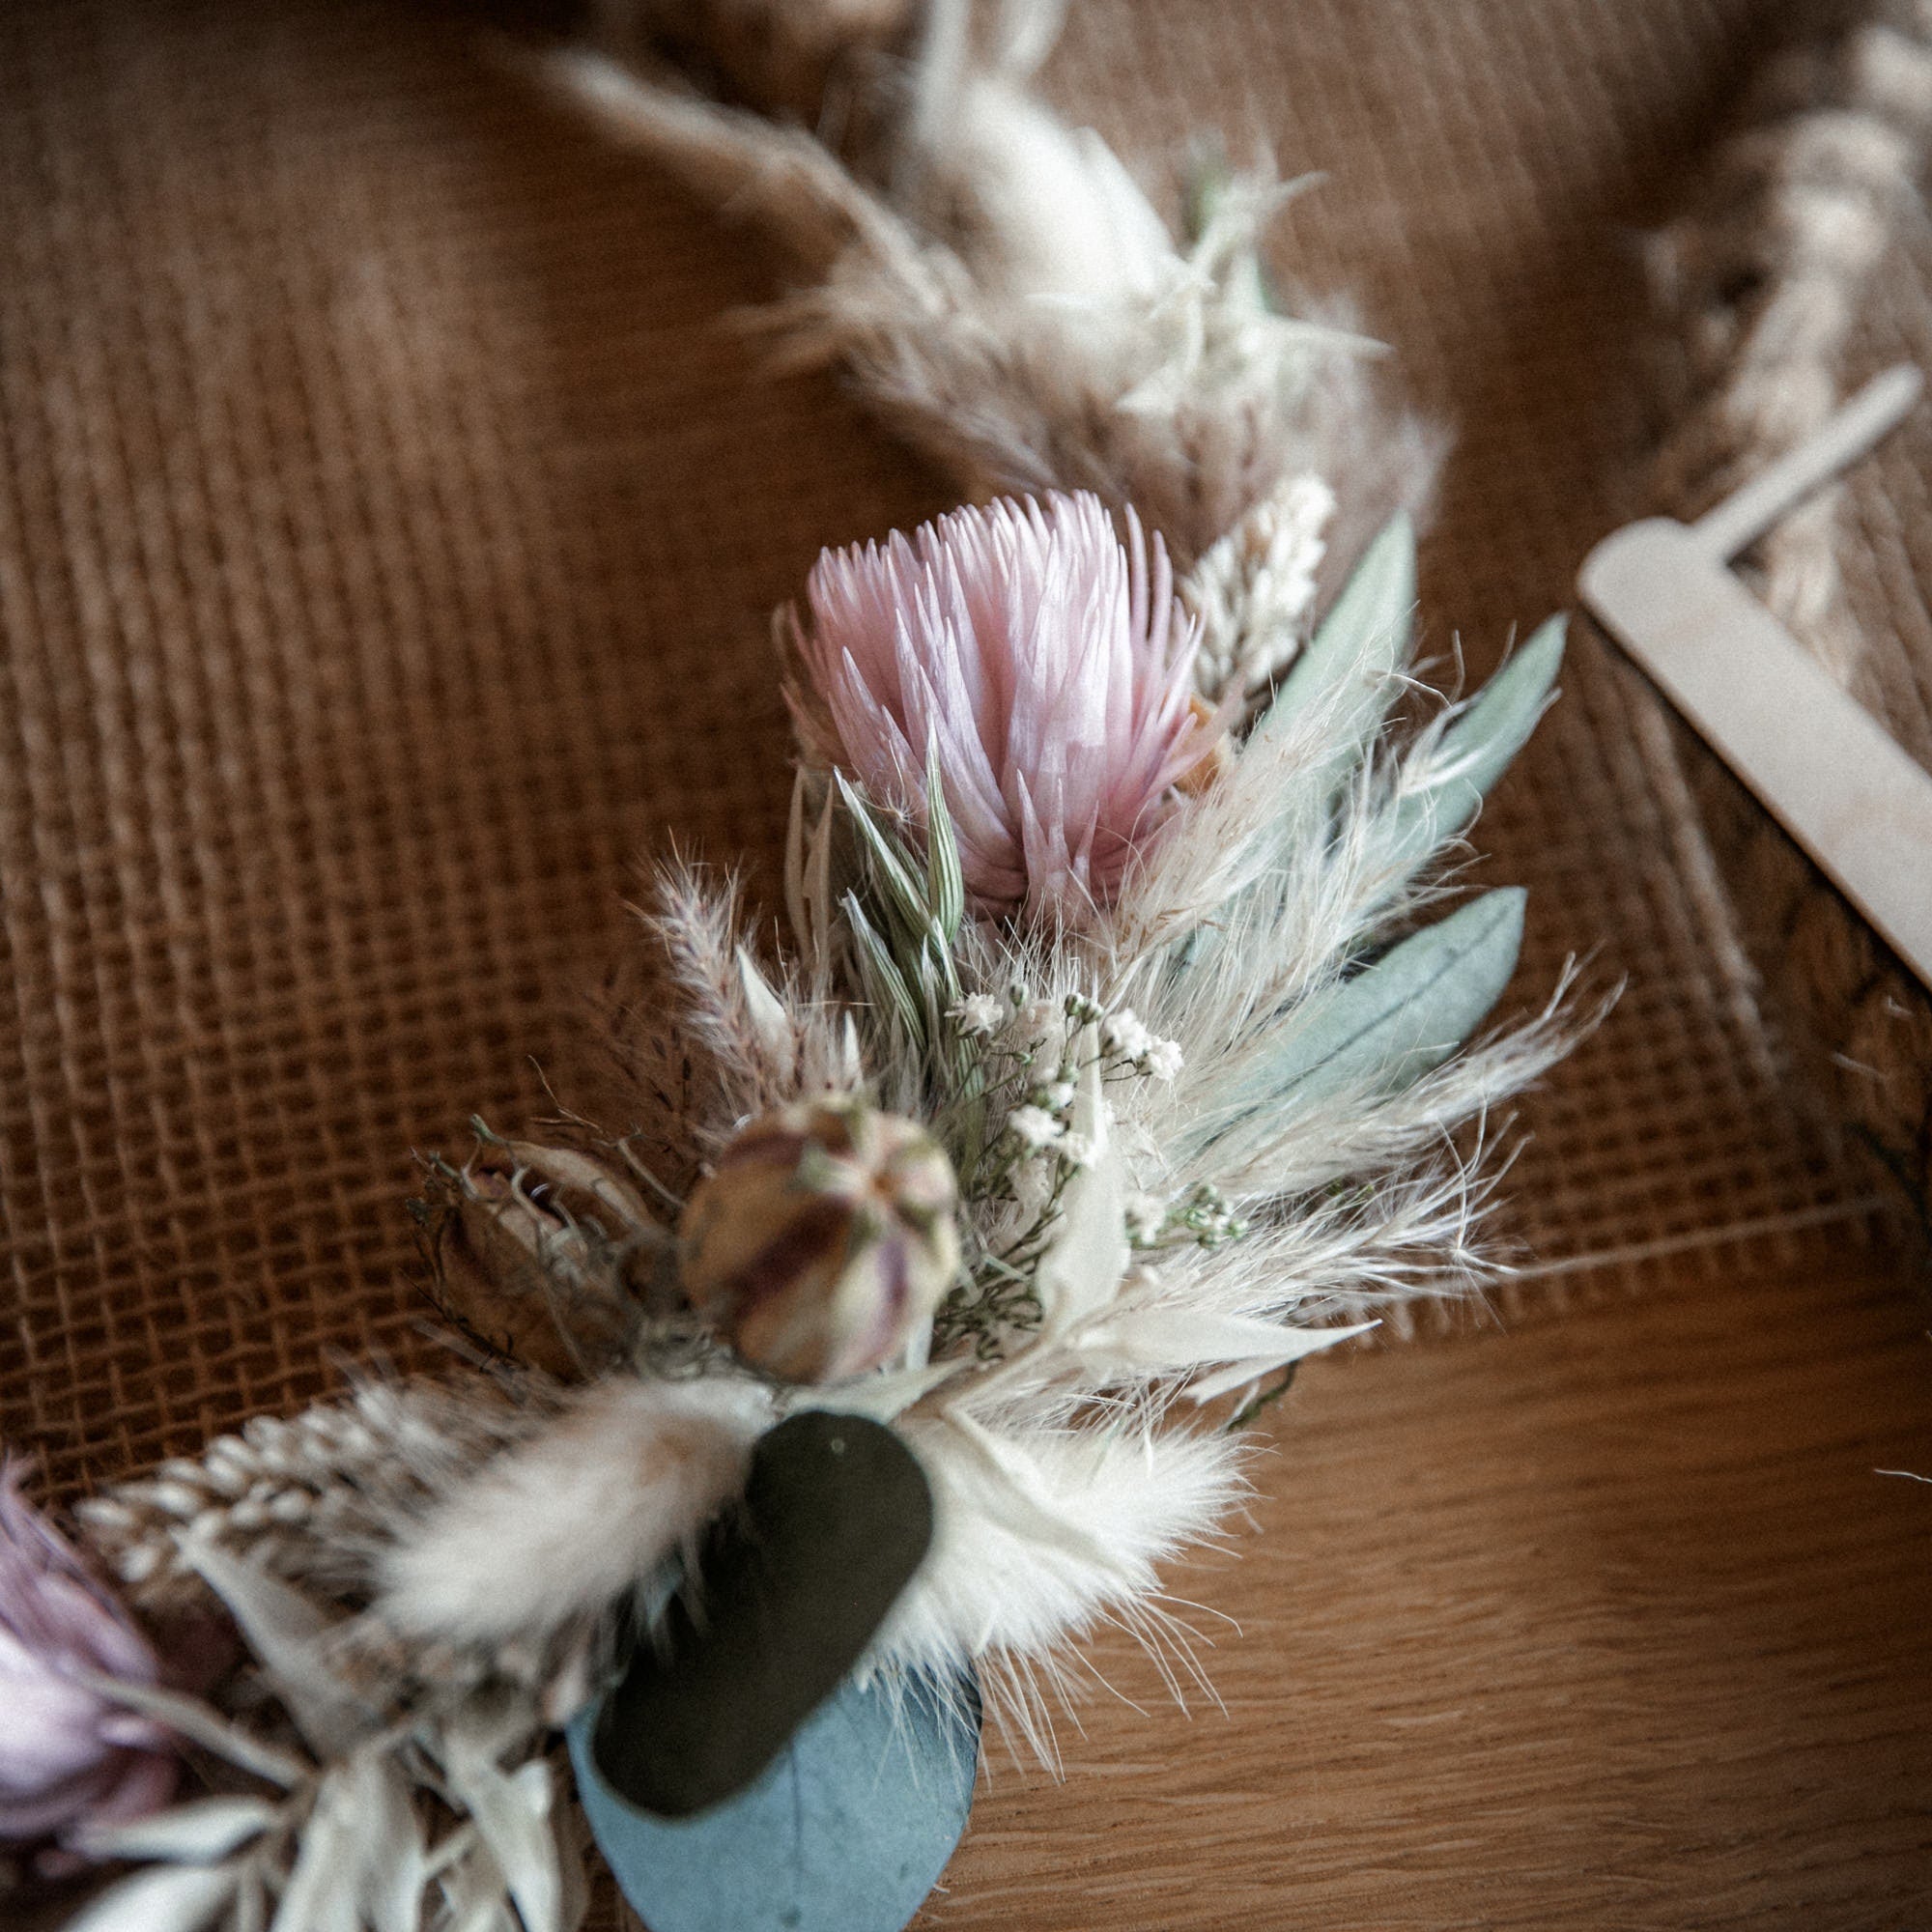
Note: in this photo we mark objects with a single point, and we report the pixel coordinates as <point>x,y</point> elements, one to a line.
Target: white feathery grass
<point>770,1036</point>
<point>1042,1536</point>
<point>562,1527</point>
<point>1015,308</point>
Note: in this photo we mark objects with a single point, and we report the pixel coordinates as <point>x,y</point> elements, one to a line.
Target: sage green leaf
<point>884,980</point>
<point>1405,1015</point>
<point>902,891</point>
<point>1347,671</point>
<point>945,877</point>
<point>1476,750</point>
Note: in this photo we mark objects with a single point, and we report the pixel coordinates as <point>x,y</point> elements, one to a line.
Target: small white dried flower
<point>1076,1150</point>
<point>1163,1058</point>
<point>1123,1033</point>
<point>1057,1095</point>
<point>1040,1020</point>
<point>977,1013</point>
<point>1033,1127</point>
<point>1147,1217</point>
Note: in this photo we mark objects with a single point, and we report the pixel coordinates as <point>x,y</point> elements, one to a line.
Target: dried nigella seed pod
<point>823,1238</point>
<point>545,1253</point>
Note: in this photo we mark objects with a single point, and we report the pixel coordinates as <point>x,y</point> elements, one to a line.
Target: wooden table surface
<point>1611,1621</point>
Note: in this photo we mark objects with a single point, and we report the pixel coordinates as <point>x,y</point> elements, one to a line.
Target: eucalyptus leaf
<point>1400,1018</point>
<point>837,1515</point>
<point>846,1832</point>
<point>169,1898</point>
<point>1349,671</point>
<point>1476,750</point>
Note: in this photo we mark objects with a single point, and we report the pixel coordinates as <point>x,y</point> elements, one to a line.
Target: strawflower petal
<point>1049,663</point>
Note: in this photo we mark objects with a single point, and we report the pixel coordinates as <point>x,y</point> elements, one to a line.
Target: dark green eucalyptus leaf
<point>836,1516</point>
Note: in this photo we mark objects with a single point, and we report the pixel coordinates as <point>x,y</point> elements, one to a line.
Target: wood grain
<point>1607,1623</point>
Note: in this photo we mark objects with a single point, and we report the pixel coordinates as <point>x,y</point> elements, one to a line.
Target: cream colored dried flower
<point>823,1239</point>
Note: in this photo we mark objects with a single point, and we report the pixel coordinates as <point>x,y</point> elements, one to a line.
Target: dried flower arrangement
<point>906,1328</point>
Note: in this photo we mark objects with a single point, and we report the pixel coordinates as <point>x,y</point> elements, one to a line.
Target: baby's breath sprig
<point>1201,1216</point>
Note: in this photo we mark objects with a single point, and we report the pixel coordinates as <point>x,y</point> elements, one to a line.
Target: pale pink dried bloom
<point>69,1756</point>
<point>1046,661</point>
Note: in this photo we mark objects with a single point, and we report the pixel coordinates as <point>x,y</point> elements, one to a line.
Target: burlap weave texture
<point>389,524</point>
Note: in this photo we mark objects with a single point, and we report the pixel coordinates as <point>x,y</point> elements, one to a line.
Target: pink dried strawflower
<point>69,1756</point>
<point>1046,661</point>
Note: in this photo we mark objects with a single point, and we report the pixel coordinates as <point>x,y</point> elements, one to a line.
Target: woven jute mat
<point>389,520</point>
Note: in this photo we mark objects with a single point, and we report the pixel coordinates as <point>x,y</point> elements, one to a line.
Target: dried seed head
<point>543,1252</point>
<point>823,1238</point>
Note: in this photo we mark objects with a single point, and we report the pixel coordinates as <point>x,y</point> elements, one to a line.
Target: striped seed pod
<point>823,1238</point>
